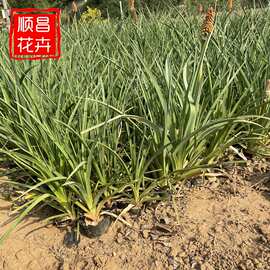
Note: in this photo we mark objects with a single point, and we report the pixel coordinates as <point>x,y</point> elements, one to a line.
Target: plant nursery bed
<point>222,222</point>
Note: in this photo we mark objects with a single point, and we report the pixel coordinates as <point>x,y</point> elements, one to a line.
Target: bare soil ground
<point>220,223</point>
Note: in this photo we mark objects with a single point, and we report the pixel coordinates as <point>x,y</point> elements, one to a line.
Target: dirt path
<point>224,224</point>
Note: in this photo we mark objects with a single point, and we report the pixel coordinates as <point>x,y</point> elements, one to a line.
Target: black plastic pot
<point>97,230</point>
<point>135,211</point>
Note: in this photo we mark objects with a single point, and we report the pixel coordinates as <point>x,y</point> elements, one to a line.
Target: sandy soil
<point>221,223</point>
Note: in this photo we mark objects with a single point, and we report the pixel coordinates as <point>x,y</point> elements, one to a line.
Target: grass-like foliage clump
<point>130,110</point>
